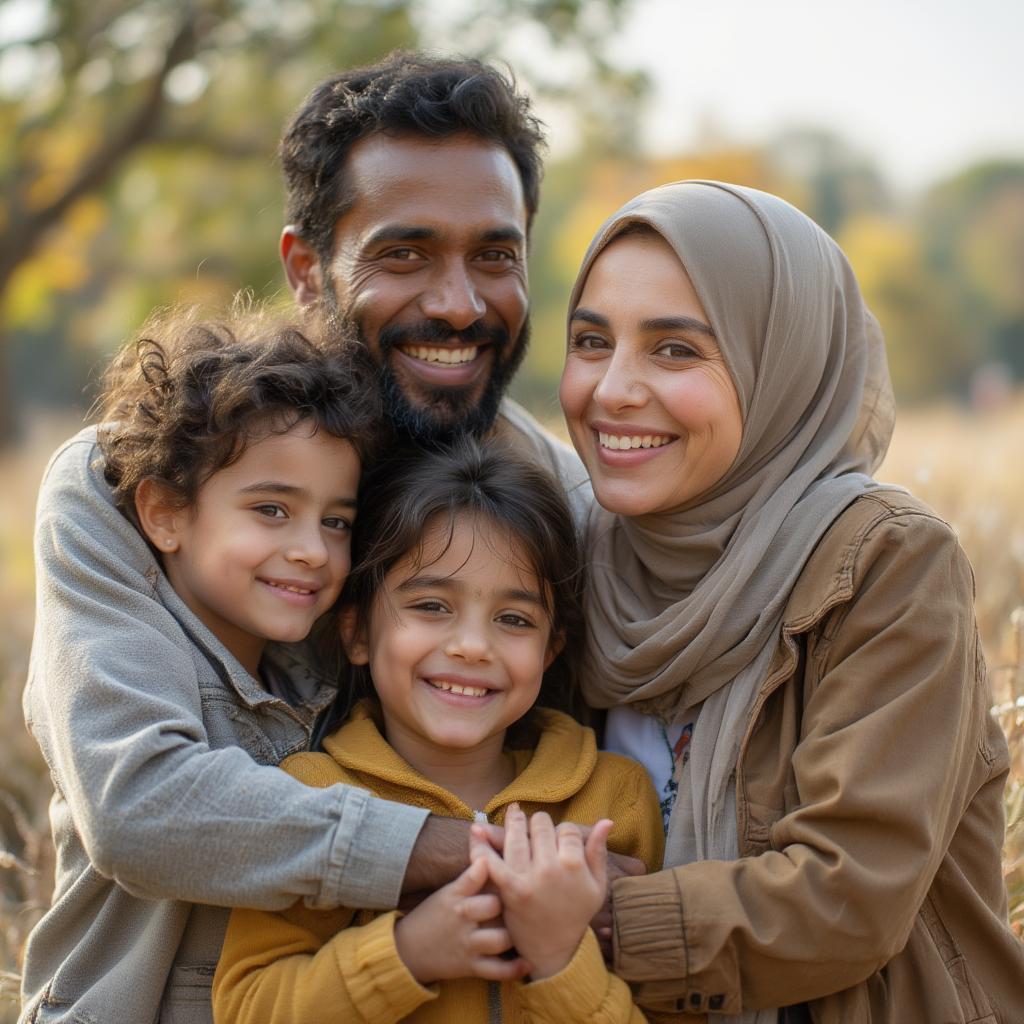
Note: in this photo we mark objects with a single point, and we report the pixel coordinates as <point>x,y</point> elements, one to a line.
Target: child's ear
<point>160,516</point>
<point>353,639</point>
<point>554,649</point>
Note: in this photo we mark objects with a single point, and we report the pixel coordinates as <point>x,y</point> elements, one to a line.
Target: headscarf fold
<point>681,602</point>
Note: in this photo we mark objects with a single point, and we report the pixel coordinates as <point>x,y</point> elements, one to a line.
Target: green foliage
<point>143,171</point>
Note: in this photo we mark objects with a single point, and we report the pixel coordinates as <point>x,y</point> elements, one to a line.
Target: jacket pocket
<point>973,1002</point>
<point>187,995</point>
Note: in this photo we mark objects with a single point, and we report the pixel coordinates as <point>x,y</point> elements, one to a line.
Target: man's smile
<point>432,354</point>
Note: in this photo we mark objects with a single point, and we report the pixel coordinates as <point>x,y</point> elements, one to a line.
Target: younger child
<point>463,610</point>
<point>235,450</point>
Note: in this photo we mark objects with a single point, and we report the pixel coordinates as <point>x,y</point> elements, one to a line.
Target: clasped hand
<point>537,897</point>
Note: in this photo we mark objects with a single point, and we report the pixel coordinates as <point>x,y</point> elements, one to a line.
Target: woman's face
<point>649,403</point>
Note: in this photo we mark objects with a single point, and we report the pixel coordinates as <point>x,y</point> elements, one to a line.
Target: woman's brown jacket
<point>869,803</point>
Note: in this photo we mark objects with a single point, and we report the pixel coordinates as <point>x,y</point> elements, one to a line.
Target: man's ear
<point>301,267</point>
<point>353,639</point>
<point>554,649</point>
<point>160,516</point>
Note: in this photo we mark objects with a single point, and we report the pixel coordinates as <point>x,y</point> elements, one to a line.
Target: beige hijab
<point>681,602</point>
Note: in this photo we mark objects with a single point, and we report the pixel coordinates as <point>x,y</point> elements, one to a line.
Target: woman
<point>788,645</point>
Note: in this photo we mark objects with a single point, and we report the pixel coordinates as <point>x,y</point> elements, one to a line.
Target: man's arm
<point>114,702</point>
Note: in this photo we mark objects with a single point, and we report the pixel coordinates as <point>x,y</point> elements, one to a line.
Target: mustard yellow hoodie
<point>302,965</point>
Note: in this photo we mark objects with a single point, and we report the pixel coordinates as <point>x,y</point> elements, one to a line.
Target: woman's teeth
<point>468,691</point>
<point>441,355</point>
<point>619,442</point>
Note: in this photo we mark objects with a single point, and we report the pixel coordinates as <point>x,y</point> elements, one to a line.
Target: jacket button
<point>716,1002</point>
<point>695,1000</point>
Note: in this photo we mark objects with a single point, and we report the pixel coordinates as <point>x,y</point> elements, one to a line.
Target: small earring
<point>170,543</point>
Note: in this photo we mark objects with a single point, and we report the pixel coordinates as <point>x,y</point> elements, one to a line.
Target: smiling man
<point>411,188</point>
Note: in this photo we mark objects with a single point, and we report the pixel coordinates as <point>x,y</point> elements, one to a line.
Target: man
<point>411,187</point>
<point>409,206</point>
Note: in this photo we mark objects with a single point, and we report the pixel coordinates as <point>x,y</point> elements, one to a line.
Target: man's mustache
<point>428,332</point>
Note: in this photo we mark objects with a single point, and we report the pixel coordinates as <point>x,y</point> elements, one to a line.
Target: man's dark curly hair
<point>186,397</point>
<point>405,94</point>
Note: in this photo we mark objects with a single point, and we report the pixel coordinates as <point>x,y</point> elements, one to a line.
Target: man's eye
<point>270,511</point>
<point>404,254</point>
<point>497,256</point>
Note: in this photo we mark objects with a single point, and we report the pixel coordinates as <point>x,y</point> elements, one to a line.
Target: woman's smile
<point>648,399</point>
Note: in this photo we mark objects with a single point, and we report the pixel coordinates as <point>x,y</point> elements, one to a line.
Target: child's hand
<point>551,884</point>
<point>445,935</point>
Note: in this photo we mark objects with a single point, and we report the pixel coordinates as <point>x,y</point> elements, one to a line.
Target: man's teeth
<point>286,586</point>
<point>469,691</point>
<point>441,355</point>
<point>619,442</point>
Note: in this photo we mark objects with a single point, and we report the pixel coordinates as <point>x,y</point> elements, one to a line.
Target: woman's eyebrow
<point>659,323</point>
<point>677,323</point>
<point>579,313</point>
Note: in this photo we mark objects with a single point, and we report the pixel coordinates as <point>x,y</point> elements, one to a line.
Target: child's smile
<point>265,549</point>
<point>457,644</point>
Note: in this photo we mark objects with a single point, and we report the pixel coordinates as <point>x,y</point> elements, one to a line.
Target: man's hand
<point>440,854</point>
<point>451,934</point>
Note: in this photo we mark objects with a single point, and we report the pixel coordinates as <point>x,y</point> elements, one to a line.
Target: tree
<point>143,133</point>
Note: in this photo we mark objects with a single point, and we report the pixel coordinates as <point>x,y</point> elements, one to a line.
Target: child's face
<point>458,639</point>
<point>265,549</point>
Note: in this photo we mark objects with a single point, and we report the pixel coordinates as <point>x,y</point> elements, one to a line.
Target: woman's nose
<point>622,385</point>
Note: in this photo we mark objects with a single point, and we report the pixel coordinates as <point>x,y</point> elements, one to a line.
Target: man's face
<point>429,264</point>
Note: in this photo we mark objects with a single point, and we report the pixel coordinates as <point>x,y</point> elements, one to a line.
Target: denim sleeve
<point>113,701</point>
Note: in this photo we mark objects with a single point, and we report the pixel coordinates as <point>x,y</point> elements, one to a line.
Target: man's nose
<point>453,296</point>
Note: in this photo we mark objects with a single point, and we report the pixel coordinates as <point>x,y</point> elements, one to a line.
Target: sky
<point>922,86</point>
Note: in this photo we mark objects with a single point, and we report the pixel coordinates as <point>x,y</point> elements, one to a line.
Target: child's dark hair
<point>186,397</point>
<point>402,496</point>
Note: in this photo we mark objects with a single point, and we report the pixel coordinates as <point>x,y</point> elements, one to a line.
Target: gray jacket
<point>167,810</point>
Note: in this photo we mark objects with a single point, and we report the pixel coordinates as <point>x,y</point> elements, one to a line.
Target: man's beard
<point>446,412</point>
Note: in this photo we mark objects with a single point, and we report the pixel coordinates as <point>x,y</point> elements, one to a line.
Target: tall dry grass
<point>963,466</point>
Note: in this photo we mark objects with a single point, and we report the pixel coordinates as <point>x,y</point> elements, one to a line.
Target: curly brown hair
<point>187,396</point>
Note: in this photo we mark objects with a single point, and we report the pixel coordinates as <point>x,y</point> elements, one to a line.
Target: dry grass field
<point>962,465</point>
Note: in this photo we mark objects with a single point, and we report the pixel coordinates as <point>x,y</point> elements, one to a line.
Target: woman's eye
<point>429,606</point>
<point>588,342</point>
<point>270,511</point>
<point>336,523</point>
<point>677,350</point>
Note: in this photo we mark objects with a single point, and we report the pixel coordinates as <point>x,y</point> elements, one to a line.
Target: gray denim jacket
<point>166,811</point>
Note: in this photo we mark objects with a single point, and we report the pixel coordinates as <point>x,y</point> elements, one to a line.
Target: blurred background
<point>139,168</point>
